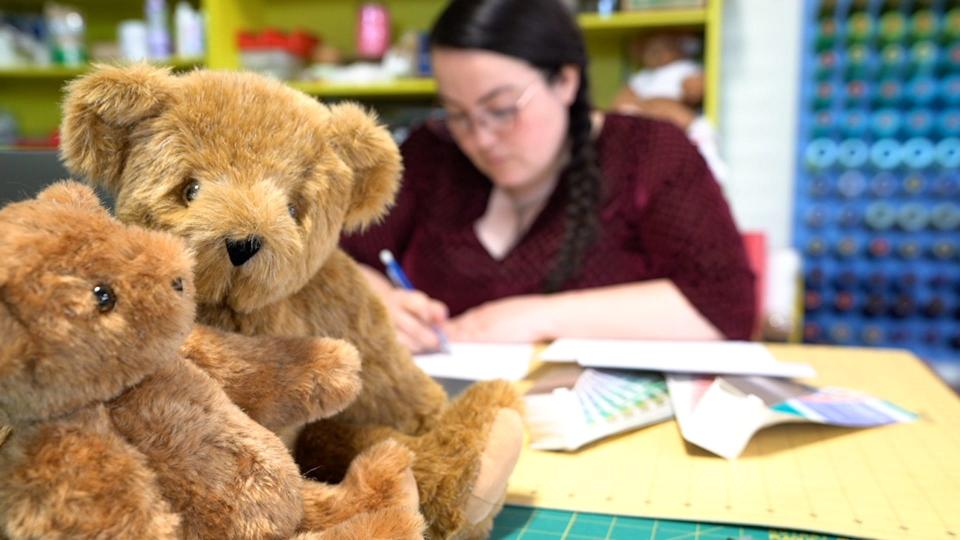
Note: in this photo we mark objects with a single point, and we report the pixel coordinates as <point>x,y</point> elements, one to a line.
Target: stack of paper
<point>478,361</point>
<point>721,414</point>
<point>600,403</point>
<point>742,357</point>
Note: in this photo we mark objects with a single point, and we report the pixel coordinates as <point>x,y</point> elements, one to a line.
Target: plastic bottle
<point>373,30</point>
<point>158,32</point>
<point>189,31</point>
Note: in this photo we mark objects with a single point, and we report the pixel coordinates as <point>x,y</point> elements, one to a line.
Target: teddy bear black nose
<point>177,284</point>
<point>241,251</point>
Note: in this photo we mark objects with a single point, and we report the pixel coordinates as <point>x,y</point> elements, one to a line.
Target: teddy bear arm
<point>279,382</point>
<point>81,481</point>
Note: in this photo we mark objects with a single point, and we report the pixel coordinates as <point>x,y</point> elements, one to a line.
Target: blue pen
<point>400,279</point>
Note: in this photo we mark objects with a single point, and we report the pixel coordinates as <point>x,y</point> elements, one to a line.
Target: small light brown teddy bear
<point>115,434</point>
<point>260,180</point>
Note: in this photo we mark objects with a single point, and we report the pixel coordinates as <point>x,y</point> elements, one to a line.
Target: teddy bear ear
<point>367,148</point>
<point>99,111</point>
<point>72,193</point>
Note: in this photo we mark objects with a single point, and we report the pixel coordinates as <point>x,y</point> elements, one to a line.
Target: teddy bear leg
<point>462,465</point>
<point>390,523</point>
<point>379,477</point>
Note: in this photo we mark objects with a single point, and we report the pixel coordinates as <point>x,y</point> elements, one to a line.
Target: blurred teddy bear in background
<point>670,87</point>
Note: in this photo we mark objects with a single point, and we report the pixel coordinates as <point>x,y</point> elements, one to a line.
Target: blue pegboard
<point>877,211</point>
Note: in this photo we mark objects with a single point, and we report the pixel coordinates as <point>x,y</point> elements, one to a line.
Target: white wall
<point>759,76</point>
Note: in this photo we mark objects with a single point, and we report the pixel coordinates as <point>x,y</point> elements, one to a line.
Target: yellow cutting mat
<point>899,481</point>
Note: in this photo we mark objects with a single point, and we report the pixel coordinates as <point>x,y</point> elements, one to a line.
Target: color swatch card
<point>599,404</point>
<point>721,414</point>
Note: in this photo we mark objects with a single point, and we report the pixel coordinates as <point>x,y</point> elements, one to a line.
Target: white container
<point>188,23</point>
<point>132,35</point>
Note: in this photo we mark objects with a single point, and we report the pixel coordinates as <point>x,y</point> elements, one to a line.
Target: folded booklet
<point>578,406</point>
<point>721,414</point>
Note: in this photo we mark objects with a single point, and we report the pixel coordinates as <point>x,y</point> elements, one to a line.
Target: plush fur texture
<point>260,180</point>
<point>116,434</point>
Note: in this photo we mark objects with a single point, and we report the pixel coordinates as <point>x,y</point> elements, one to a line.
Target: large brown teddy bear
<point>261,180</point>
<point>115,434</point>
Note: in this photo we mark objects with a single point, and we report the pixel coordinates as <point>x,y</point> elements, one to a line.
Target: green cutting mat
<point>523,523</point>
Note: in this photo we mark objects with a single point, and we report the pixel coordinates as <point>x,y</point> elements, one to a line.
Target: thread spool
<point>947,153</point>
<point>885,123</point>
<point>825,65</point>
<point>851,184</point>
<point>826,34</point>
<point>853,154</point>
<point>893,27</point>
<point>823,124</point>
<point>880,216</point>
<point>888,93</point>
<point>860,27</point>
<point>858,93</point>
<point>854,123</point>
<point>947,123</point>
<point>913,184</point>
<point>945,216</point>
<point>950,90</point>
<point>919,123</point>
<point>924,57</point>
<point>922,91</point>
<point>849,218</point>
<point>913,217</point>
<point>820,154</point>
<point>883,185</point>
<point>823,95</point>
<point>885,154</point>
<point>893,59</point>
<point>924,25</point>
<point>919,153</point>
<point>860,60</point>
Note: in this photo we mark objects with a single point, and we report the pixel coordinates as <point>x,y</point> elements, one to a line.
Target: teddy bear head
<point>88,306</point>
<point>260,179</point>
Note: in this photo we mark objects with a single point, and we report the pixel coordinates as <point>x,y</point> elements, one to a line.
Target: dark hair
<point>544,34</point>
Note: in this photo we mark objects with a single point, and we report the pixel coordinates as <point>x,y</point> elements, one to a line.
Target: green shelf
<point>61,72</point>
<point>400,88</point>
<point>632,20</point>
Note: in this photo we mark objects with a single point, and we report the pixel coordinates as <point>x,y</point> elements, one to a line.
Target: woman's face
<point>504,115</point>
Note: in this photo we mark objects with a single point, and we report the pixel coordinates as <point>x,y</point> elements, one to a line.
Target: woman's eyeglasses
<point>496,120</point>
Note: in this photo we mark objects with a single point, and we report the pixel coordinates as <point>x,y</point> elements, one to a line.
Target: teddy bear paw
<point>383,473</point>
<point>499,457</point>
<point>389,523</point>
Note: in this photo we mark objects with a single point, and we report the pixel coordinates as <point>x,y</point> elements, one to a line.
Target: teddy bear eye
<point>105,297</point>
<point>190,190</point>
<point>294,213</point>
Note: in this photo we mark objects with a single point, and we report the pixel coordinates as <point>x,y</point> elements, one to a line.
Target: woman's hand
<point>518,319</point>
<point>415,317</point>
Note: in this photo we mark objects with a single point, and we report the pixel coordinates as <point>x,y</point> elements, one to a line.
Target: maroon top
<point>663,216</point>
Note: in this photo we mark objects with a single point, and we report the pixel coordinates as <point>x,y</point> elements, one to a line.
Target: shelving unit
<point>413,88</point>
<point>34,94</point>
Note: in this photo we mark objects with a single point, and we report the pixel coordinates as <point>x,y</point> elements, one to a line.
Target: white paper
<point>479,361</point>
<point>719,357</point>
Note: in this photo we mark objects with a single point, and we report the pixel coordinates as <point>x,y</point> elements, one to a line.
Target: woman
<point>527,216</point>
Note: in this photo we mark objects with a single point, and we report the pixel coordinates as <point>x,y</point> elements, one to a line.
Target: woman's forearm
<point>647,310</point>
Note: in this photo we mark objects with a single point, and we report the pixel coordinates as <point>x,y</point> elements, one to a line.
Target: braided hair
<point>544,34</point>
